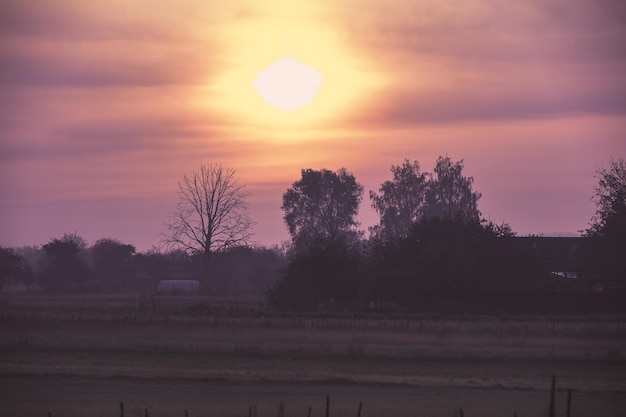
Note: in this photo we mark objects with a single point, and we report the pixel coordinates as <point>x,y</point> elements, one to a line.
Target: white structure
<point>178,285</point>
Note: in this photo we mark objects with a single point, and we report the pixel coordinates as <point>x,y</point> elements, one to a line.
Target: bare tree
<point>212,213</point>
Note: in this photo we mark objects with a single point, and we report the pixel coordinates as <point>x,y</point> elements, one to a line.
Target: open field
<point>89,353</point>
<point>79,397</point>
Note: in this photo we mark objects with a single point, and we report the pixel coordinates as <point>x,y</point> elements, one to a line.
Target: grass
<point>80,398</point>
<point>99,350</point>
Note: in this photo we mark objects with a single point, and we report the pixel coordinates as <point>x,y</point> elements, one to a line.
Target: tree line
<point>69,265</point>
<point>430,238</point>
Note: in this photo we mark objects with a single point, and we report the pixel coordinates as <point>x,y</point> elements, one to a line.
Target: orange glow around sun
<point>284,71</point>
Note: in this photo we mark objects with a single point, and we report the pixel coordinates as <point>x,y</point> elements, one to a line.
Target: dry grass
<point>112,336</point>
<point>244,351</point>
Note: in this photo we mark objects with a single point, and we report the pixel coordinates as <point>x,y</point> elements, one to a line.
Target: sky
<point>105,105</point>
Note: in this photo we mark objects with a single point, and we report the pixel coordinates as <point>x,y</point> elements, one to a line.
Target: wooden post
<point>281,409</point>
<point>145,412</point>
<point>252,411</point>
<point>461,412</point>
<point>186,413</point>
<point>569,403</point>
<point>358,414</point>
<point>121,409</point>
<point>309,413</point>
<point>552,395</point>
<point>327,406</point>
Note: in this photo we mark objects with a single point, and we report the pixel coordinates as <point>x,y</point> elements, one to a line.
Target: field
<point>82,356</point>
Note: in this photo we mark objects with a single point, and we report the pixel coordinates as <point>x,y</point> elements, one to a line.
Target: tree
<point>607,232</point>
<point>327,273</point>
<point>442,255</point>
<point>153,263</point>
<point>212,213</point>
<point>322,205</point>
<point>412,196</point>
<point>449,194</point>
<point>13,266</point>
<point>610,199</point>
<point>401,200</point>
<point>63,268</point>
<point>31,256</point>
<point>111,261</point>
<point>246,271</point>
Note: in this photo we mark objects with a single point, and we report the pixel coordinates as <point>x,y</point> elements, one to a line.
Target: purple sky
<point>104,106</point>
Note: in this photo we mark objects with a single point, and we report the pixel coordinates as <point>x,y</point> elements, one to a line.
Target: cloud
<point>96,44</point>
<point>105,105</point>
<point>491,29</point>
<point>492,59</point>
<point>521,102</point>
<point>100,20</point>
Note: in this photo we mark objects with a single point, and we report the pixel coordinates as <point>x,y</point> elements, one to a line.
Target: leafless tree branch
<point>212,213</point>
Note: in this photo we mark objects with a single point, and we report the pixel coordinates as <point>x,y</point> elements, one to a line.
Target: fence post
<point>552,394</point>
<point>281,409</point>
<point>309,413</point>
<point>569,402</point>
<point>121,409</point>
<point>461,413</point>
<point>358,414</point>
<point>327,406</point>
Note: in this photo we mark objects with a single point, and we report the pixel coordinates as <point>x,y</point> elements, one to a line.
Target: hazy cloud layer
<point>495,59</point>
<point>104,106</point>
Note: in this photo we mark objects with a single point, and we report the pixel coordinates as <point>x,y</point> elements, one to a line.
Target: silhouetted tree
<point>111,263</point>
<point>326,274</point>
<point>153,263</point>
<point>400,202</point>
<point>322,205</point>
<point>412,196</point>
<point>451,255</point>
<point>449,194</point>
<point>606,246</point>
<point>212,213</point>
<point>13,267</point>
<point>610,198</point>
<point>63,268</point>
<point>245,271</point>
<point>499,230</point>
<point>32,255</point>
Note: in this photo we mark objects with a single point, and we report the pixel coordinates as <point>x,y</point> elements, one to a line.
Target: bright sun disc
<point>287,84</point>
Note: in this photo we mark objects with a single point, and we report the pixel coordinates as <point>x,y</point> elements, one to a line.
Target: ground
<point>82,356</point>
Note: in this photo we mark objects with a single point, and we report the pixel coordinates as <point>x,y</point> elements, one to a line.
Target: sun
<point>281,68</point>
<point>288,84</point>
